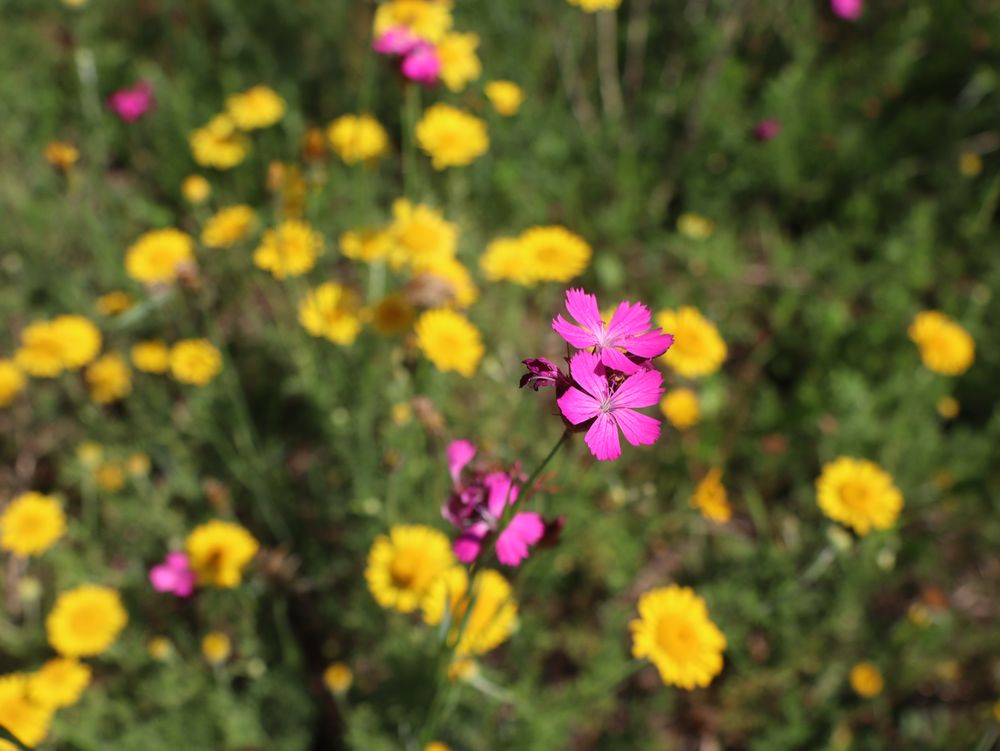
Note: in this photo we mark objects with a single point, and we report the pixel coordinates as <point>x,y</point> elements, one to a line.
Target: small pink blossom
<point>542,373</point>
<point>847,9</point>
<point>174,575</point>
<point>766,129</point>
<point>131,104</point>
<point>422,64</point>
<point>477,505</point>
<point>595,398</point>
<point>628,332</point>
<point>398,40</point>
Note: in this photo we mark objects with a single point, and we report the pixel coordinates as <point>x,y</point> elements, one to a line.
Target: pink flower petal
<point>583,308</point>
<point>177,561</point>
<point>422,65</point>
<point>524,530</point>
<point>847,9</point>
<point>577,406</point>
<point>501,492</point>
<point>651,344</point>
<point>629,319</point>
<point>470,542</point>
<point>459,454</point>
<point>643,389</point>
<point>602,438</point>
<point>573,334</point>
<point>163,578</point>
<point>638,429</point>
<point>584,369</point>
<point>616,360</point>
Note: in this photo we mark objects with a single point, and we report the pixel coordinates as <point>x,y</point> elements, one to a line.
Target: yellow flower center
<point>405,568</point>
<point>675,637</point>
<point>855,495</point>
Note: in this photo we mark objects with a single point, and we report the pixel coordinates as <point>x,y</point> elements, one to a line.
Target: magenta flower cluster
<point>419,60</point>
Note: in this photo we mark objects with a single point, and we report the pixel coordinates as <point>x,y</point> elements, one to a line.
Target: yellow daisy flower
<point>945,347</point>
<point>151,356</point>
<point>216,647</point>
<point>506,259</point>
<point>25,719</point>
<point>60,682</point>
<point>459,63</point>
<point>365,244</point>
<point>451,137</point>
<point>31,524</point>
<point>698,350</point>
<point>675,632</point>
<point>109,379</point>
<point>695,226</point>
<point>358,138</point>
<point>11,381</point>
<point>331,311</point>
<point>866,680</point>
<point>195,189</point>
<point>449,341</point>
<point>681,408</point>
<point>859,494</point>
<point>114,303</point>
<point>494,612</point>
<point>289,250</point>
<point>41,351</point>
<point>427,19</point>
<point>420,234</point>
<point>461,289</point>
<point>554,254</point>
<point>219,551</point>
<point>404,564</point>
<point>110,477</point>
<point>85,621</point>
<point>505,96</point>
<point>338,678</point>
<point>61,155</point>
<point>219,144</point>
<point>157,256</point>
<point>255,108</point>
<point>710,497</point>
<point>195,361</point>
<point>228,226</point>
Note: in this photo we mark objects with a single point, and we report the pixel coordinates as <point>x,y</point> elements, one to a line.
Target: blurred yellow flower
<point>195,361</point>
<point>31,524</point>
<point>402,413</point>
<point>451,137</point>
<point>427,19</point>
<point>138,464</point>
<point>255,108</point>
<point>11,381</point>
<point>195,189</point>
<point>681,408</point>
<point>695,226</point>
<point>219,551</point>
<point>331,311</point>
<point>698,350</point>
<point>505,258</point>
<point>404,564</point>
<point>108,379</point>
<point>463,669</point>
<point>948,407</point>
<point>219,144</point>
<point>85,621</point>
<point>419,233</point>
<point>970,164</point>
<point>74,3</point>
<point>437,746</point>
<point>449,341</point>
<point>228,226</point>
<point>60,682</point>
<point>866,680</point>
<point>675,632</point>
<point>459,63</point>
<point>505,96</point>
<point>41,351</point>
<point>61,155</point>
<point>89,453</point>
<point>461,289</point>
<point>157,256</point>
<point>289,250</point>
<point>554,254</point>
<point>160,648</point>
<point>151,356</point>
<point>114,303</point>
<point>358,138</point>
<point>859,494</point>
<point>393,315</point>
<point>338,678</point>
<point>592,6</point>
<point>110,477</point>
<point>494,611</point>
<point>79,338</point>
<point>25,719</point>
<point>945,347</point>
<point>710,497</point>
<point>365,244</point>
<point>216,647</point>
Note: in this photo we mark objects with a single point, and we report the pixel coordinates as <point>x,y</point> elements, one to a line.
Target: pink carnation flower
<point>847,9</point>
<point>422,64</point>
<point>628,332</point>
<point>593,397</point>
<point>398,40</point>
<point>174,575</point>
<point>131,104</point>
<point>766,129</point>
<point>477,506</point>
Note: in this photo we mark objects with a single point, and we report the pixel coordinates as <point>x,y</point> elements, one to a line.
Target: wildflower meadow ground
<point>599,375</point>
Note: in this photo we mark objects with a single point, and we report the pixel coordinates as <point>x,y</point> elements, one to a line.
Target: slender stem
<point>555,450</point>
<point>411,110</point>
